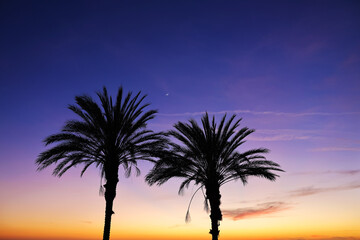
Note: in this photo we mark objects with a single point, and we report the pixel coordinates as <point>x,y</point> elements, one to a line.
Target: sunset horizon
<point>290,70</point>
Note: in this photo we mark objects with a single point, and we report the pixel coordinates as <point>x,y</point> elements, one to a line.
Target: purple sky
<point>291,69</point>
<point>278,56</point>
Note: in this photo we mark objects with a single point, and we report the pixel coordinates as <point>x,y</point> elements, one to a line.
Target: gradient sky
<point>290,69</point>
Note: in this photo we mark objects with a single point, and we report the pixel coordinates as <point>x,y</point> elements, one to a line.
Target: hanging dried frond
<point>206,204</point>
<point>101,191</point>
<point>188,217</point>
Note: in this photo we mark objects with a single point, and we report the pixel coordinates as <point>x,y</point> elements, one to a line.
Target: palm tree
<point>209,158</point>
<point>107,136</point>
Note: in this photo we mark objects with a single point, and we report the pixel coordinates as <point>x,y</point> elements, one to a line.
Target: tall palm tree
<point>208,157</point>
<point>107,136</point>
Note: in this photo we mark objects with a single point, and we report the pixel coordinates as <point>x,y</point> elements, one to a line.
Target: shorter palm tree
<point>107,136</point>
<point>209,158</point>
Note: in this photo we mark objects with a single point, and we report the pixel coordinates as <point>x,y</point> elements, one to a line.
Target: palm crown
<point>113,135</point>
<point>107,136</point>
<point>208,157</point>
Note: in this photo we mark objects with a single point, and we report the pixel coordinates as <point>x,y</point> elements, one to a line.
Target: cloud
<point>307,191</point>
<point>178,226</point>
<point>336,149</point>
<point>341,238</point>
<point>259,210</point>
<point>317,237</point>
<point>348,172</point>
<point>351,60</point>
<point>282,135</point>
<point>286,114</point>
<point>342,172</point>
<point>87,222</point>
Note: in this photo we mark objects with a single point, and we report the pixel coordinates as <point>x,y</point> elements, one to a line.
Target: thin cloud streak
<point>284,135</point>
<point>87,222</point>
<point>307,191</point>
<point>288,114</point>
<point>281,137</point>
<point>320,238</point>
<point>259,210</point>
<point>336,149</point>
<point>342,172</point>
<point>178,226</point>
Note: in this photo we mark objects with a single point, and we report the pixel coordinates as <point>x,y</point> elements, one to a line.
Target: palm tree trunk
<point>110,193</point>
<point>214,231</point>
<point>213,194</point>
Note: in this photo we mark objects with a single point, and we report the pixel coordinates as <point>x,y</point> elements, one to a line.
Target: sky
<point>290,69</point>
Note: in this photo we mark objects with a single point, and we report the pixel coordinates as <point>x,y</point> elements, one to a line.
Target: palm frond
<point>106,135</point>
<point>187,216</point>
<point>209,156</point>
<point>206,204</point>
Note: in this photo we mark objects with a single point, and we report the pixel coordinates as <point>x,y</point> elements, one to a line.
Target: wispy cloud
<point>87,222</point>
<point>287,114</point>
<point>341,238</point>
<point>259,210</point>
<point>352,60</point>
<point>282,135</point>
<point>178,226</point>
<point>272,207</point>
<point>317,237</point>
<point>342,172</point>
<point>307,191</point>
<point>336,149</point>
<point>348,172</point>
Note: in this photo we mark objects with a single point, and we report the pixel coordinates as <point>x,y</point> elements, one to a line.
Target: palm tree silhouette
<point>108,136</point>
<point>209,158</point>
